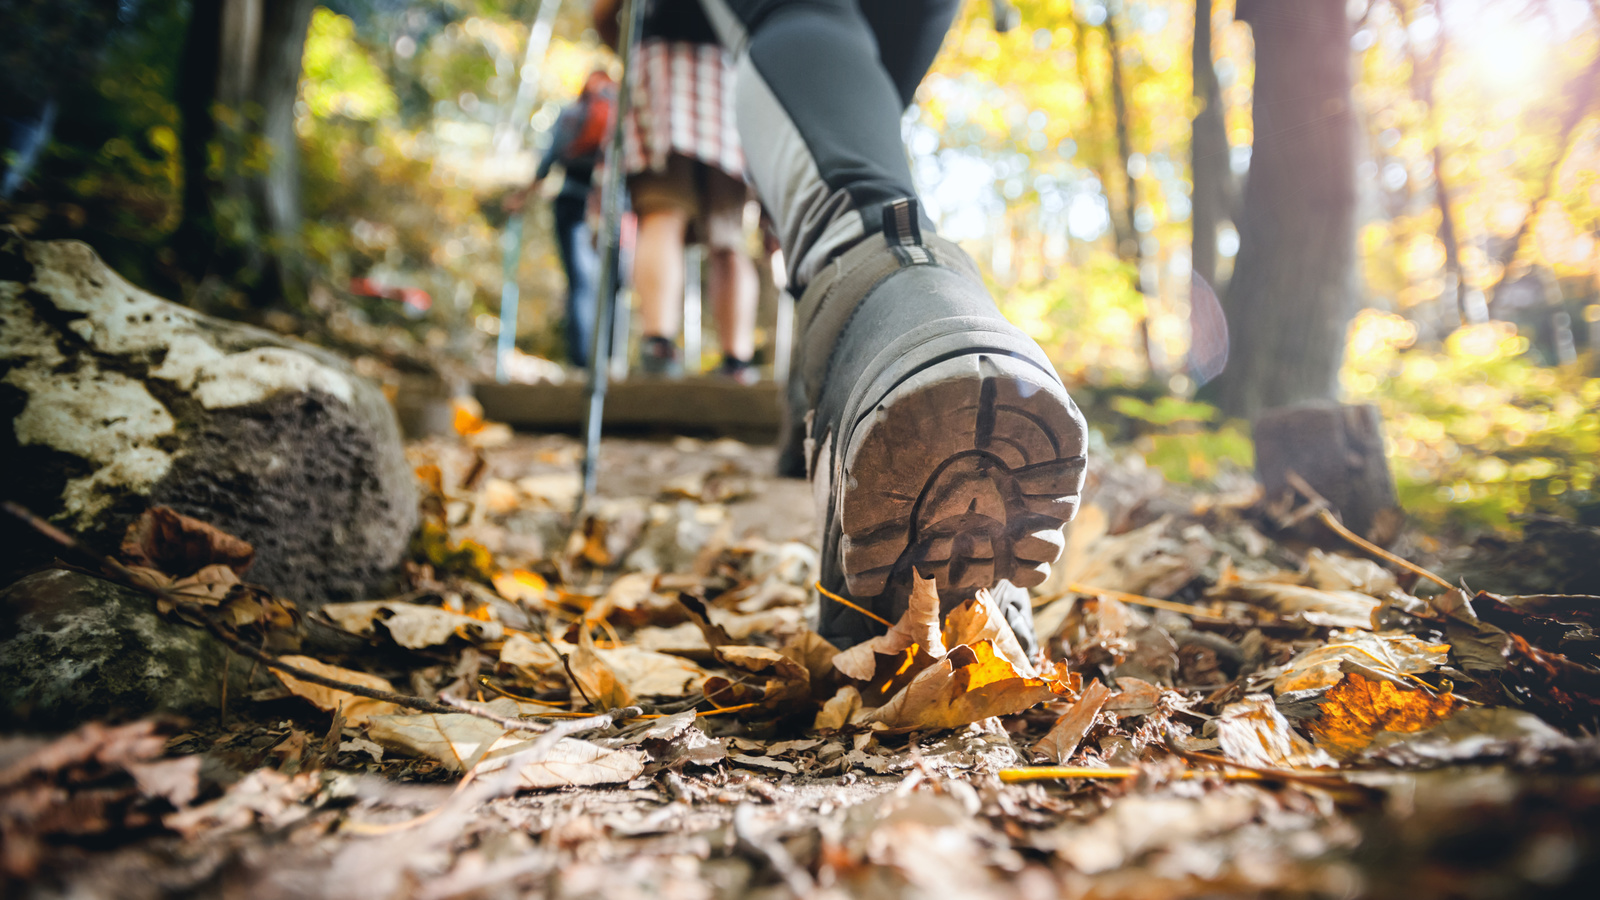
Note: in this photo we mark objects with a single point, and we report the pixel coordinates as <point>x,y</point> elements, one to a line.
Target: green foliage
<point>1164,411</point>
<point>1477,431</point>
<point>340,78</point>
<point>1191,457</point>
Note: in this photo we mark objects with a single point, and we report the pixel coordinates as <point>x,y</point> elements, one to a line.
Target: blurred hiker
<point>940,439</point>
<point>686,183</point>
<point>577,144</point>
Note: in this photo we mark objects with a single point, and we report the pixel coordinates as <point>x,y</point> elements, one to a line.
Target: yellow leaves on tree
<point>1358,708</point>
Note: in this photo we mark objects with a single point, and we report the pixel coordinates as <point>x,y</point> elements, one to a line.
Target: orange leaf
<point>1356,709</point>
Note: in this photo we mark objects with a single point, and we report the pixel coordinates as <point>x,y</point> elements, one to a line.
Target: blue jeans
<point>582,266</point>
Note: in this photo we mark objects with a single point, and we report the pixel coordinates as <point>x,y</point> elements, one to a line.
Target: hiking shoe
<point>658,358</point>
<point>739,371</point>
<point>940,438</point>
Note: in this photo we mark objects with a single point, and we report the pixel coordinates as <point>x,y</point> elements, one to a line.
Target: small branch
<point>1317,508</point>
<point>509,723</point>
<point>566,663</point>
<point>1307,778</point>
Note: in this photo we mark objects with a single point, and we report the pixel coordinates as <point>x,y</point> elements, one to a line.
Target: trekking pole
<point>610,258</point>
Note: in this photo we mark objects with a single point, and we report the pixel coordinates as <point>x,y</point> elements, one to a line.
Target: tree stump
<point>1338,450</point>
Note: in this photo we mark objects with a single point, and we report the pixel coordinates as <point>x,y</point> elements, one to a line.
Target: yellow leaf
<point>969,684</point>
<point>521,586</point>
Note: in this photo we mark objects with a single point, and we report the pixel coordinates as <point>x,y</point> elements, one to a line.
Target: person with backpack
<point>577,145</point>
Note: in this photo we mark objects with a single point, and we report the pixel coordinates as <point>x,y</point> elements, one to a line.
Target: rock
<point>120,400</point>
<point>77,648</point>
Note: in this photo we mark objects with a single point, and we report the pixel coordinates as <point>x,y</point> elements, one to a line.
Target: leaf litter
<point>635,703</point>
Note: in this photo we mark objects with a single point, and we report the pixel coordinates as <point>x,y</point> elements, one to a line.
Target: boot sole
<point>966,469</point>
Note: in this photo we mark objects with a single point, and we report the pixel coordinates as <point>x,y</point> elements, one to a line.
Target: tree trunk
<point>1208,151</point>
<point>277,87</point>
<point>1293,287</point>
<point>1130,246</point>
<point>196,238</point>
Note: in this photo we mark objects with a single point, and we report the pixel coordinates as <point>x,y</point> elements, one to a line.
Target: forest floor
<point>638,708</point>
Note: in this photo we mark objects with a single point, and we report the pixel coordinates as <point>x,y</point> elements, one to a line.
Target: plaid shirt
<point>682,103</point>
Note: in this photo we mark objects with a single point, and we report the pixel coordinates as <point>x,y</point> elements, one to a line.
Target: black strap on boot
<point>833,295</point>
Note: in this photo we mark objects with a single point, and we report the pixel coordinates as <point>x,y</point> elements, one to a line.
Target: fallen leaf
<point>1471,734</point>
<point>1134,697</point>
<point>762,762</point>
<point>1336,572</point>
<point>456,740</point>
<point>569,763</point>
<point>644,672</point>
<point>599,683</point>
<point>1252,731</point>
<point>265,795</point>
<point>411,625</point>
<point>1358,709</point>
<point>969,684</point>
<point>175,780</point>
<point>1388,652</point>
<point>1068,732</point>
<point>1297,603</point>
<point>836,712</point>
<point>357,710</point>
<point>979,619</point>
<point>178,545</point>
<point>918,628</point>
<point>521,586</point>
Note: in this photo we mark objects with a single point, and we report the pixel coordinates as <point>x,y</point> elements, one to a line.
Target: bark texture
<point>1293,287</point>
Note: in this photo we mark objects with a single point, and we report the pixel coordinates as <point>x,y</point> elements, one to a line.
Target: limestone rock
<point>77,648</point>
<point>119,400</point>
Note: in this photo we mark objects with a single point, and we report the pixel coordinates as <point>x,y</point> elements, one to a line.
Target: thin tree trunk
<point>1208,151</point>
<point>1129,246</point>
<point>1293,288</point>
<point>277,87</point>
<point>196,237</point>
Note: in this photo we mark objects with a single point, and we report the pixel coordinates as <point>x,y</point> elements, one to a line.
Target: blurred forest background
<point>1394,201</point>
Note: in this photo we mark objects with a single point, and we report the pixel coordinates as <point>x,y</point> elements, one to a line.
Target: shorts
<point>713,200</point>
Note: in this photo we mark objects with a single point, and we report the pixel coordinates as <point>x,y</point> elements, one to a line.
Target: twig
<point>509,723</point>
<point>1050,773</point>
<point>1139,600</point>
<point>865,612</point>
<point>1313,779</point>
<point>566,663</point>
<point>1326,518</point>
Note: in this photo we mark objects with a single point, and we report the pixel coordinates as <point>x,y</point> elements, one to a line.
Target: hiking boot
<point>738,371</point>
<point>939,437</point>
<point>658,358</point>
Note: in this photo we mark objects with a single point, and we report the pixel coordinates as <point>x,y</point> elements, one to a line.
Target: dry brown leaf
<point>969,684</point>
<point>813,652</point>
<point>357,710</point>
<point>411,625</point>
<point>1297,603</point>
<point>919,628</point>
<point>178,545</point>
<point>569,763</point>
<point>1358,708</point>
<point>1388,652</point>
<point>1253,732</point>
<point>1335,572</point>
<point>836,712</point>
<point>646,673</point>
<point>599,683</point>
<point>1069,730</point>
<point>979,619</point>
<point>1134,697</point>
<point>455,740</point>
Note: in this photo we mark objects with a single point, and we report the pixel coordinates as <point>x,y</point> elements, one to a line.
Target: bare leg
<point>658,271</point>
<point>733,298</point>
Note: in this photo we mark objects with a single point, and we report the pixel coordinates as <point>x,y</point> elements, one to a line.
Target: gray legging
<point>821,87</point>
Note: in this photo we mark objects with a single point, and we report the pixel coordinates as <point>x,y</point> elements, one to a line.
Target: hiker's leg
<point>908,36</point>
<point>665,202</point>
<point>579,262</point>
<point>819,116</point>
<point>658,271</point>
<point>940,439</point>
<point>732,281</point>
